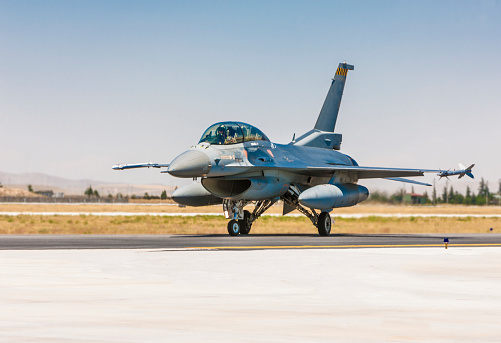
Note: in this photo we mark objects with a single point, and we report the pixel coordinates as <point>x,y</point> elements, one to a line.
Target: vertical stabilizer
<point>328,115</point>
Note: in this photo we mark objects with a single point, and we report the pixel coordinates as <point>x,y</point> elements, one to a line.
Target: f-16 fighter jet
<point>238,165</point>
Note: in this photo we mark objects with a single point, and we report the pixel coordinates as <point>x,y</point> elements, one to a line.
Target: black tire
<point>245,224</point>
<point>234,227</point>
<point>324,224</point>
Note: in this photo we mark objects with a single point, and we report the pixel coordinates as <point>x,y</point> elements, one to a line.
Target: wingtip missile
<point>461,172</point>
<point>138,165</point>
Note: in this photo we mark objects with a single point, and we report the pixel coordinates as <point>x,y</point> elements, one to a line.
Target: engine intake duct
<point>260,188</point>
<point>226,188</point>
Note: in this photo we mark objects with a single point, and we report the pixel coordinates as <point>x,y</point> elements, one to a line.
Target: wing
<point>374,172</point>
<point>363,172</point>
<point>138,165</point>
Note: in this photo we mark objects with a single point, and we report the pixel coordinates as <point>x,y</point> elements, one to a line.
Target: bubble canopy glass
<point>230,132</point>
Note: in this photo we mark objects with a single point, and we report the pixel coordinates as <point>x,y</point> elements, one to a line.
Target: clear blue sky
<point>87,84</point>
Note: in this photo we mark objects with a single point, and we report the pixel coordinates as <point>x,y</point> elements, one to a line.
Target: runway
<point>304,295</point>
<point>255,288</point>
<point>250,242</point>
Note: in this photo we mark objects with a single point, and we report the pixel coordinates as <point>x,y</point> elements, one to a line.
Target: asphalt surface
<point>250,242</point>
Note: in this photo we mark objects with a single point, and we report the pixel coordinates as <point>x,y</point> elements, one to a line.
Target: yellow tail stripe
<point>342,72</point>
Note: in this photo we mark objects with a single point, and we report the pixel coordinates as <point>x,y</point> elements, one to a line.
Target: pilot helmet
<point>221,130</point>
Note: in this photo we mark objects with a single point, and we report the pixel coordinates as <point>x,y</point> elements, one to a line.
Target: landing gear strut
<point>241,220</point>
<point>321,221</point>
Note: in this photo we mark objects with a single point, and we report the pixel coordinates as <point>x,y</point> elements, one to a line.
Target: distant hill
<point>40,181</point>
<point>15,192</point>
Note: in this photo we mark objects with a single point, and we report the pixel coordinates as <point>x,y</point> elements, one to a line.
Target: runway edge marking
<point>343,246</point>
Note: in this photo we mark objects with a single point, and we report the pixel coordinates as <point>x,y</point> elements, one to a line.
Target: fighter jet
<point>238,166</point>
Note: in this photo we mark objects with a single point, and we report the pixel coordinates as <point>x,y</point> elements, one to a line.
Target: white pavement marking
<point>425,294</point>
<point>162,214</point>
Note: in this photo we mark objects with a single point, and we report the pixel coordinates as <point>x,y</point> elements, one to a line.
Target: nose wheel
<point>243,219</point>
<point>234,227</point>
<point>243,226</point>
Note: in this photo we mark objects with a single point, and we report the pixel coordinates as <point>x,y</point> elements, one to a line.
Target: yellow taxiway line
<point>344,246</point>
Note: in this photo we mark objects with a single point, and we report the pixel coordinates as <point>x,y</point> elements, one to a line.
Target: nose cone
<point>191,163</point>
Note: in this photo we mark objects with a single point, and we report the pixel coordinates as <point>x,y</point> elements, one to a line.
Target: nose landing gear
<point>241,226</point>
<point>242,220</point>
<point>245,224</point>
<point>233,227</point>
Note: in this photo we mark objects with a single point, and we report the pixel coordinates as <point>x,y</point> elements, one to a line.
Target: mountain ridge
<point>41,181</point>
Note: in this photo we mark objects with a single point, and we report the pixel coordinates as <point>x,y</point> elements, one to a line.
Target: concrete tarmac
<point>248,242</point>
<point>291,295</point>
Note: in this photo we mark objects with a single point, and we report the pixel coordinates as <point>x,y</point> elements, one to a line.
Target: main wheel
<point>324,224</point>
<point>234,227</point>
<point>245,224</point>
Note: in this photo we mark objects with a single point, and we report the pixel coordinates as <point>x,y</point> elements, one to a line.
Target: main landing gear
<point>243,219</point>
<point>321,221</point>
<point>324,224</point>
<point>242,226</point>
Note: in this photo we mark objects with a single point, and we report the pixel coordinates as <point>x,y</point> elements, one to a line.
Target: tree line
<point>93,193</point>
<point>448,195</point>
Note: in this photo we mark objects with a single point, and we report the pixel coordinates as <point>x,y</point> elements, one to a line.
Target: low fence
<point>64,200</point>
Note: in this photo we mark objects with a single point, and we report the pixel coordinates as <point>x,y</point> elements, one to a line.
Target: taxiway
<point>249,242</point>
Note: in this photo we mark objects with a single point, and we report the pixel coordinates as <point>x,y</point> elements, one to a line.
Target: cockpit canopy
<point>230,132</point>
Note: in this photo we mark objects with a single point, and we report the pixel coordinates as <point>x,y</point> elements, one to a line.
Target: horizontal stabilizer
<point>399,179</point>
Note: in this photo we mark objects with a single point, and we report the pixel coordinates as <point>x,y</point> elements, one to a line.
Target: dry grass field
<point>170,207</point>
<point>207,224</point>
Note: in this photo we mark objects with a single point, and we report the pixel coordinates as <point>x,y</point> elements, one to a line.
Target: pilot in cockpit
<point>231,135</point>
<point>220,135</point>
